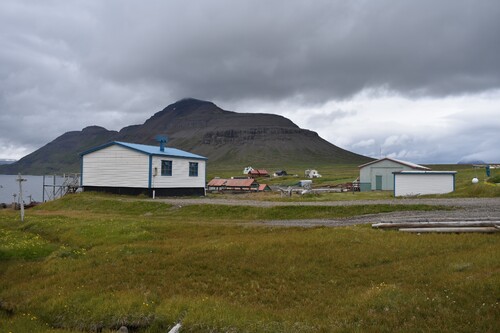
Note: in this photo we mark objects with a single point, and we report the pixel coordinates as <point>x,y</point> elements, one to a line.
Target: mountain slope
<point>2,162</point>
<point>60,155</point>
<point>225,137</point>
<point>238,138</point>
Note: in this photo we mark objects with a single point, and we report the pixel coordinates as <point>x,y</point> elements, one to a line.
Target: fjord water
<point>33,186</point>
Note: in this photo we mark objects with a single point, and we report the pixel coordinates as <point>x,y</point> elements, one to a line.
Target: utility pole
<point>21,201</point>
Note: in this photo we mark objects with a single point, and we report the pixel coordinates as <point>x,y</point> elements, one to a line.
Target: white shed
<point>408,183</point>
<point>129,168</point>
<point>378,174</point>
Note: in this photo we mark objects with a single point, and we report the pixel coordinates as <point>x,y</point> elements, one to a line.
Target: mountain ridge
<point>201,127</point>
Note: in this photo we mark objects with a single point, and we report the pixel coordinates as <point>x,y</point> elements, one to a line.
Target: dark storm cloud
<point>69,64</point>
<point>324,49</point>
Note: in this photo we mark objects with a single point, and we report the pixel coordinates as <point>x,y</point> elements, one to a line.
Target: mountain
<point>201,127</point>
<point>2,162</point>
<point>471,161</point>
<point>60,155</point>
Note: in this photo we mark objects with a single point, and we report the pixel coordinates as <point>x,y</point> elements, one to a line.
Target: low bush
<point>494,179</point>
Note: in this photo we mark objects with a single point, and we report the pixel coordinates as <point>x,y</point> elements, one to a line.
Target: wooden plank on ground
<point>397,225</point>
<point>451,230</point>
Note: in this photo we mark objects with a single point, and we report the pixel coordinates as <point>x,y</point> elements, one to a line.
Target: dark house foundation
<point>159,192</point>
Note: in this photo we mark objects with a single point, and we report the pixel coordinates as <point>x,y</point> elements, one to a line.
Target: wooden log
<point>397,225</point>
<point>451,230</point>
<point>446,219</point>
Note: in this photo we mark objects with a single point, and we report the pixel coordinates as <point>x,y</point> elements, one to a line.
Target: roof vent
<point>162,139</point>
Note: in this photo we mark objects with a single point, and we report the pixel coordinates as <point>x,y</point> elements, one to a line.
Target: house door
<point>378,183</point>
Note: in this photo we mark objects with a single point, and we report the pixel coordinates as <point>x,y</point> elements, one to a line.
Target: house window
<point>166,168</point>
<point>193,169</point>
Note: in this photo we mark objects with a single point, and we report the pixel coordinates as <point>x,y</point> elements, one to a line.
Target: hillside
<point>60,155</point>
<point>225,137</point>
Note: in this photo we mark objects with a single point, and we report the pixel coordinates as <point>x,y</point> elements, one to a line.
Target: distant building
<point>378,175</point>
<point>280,173</point>
<point>264,188</point>
<point>312,173</point>
<point>129,168</point>
<point>255,172</point>
<point>258,173</point>
<point>410,183</point>
<point>236,185</point>
<point>247,170</point>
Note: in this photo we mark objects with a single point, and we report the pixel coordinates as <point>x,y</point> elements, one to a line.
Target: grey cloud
<point>426,149</point>
<point>327,49</point>
<point>364,143</point>
<point>314,121</point>
<point>274,50</point>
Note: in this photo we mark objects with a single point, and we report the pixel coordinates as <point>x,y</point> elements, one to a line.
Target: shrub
<point>494,179</point>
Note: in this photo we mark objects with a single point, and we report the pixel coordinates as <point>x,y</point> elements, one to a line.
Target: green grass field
<point>92,263</point>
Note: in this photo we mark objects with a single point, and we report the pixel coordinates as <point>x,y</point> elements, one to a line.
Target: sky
<point>413,80</point>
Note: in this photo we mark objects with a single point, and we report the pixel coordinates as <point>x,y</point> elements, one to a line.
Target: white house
<point>129,168</point>
<point>312,173</point>
<point>423,182</point>
<point>378,175</point>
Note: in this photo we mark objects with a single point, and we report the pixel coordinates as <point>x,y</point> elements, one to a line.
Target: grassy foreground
<point>93,263</point>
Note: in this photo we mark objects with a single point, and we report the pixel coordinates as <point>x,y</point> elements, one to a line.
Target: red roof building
<point>247,184</point>
<point>259,173</point>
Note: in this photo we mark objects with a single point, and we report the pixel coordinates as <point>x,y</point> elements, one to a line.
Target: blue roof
<point>148,150</point>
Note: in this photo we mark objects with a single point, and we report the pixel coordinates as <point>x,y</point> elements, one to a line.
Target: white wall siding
<point>420,184</point>
<point>384,168</point>
<point>180,173</point>
<point>115,166</point>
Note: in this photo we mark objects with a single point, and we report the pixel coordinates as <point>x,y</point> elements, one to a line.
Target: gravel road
<point>465,209</point>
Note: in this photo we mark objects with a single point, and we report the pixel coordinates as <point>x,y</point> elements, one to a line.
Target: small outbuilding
<point>222,184</point>
<point>264,188</point>
<point>312,173</point>
<point>258,173</point>
<point>379,174</point>
<point>280,173</point>
<point>236,185</point>
<point>130,168</point>
<point>410,183</point>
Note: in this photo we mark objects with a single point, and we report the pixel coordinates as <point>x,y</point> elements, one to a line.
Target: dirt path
<point>465,209</point>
